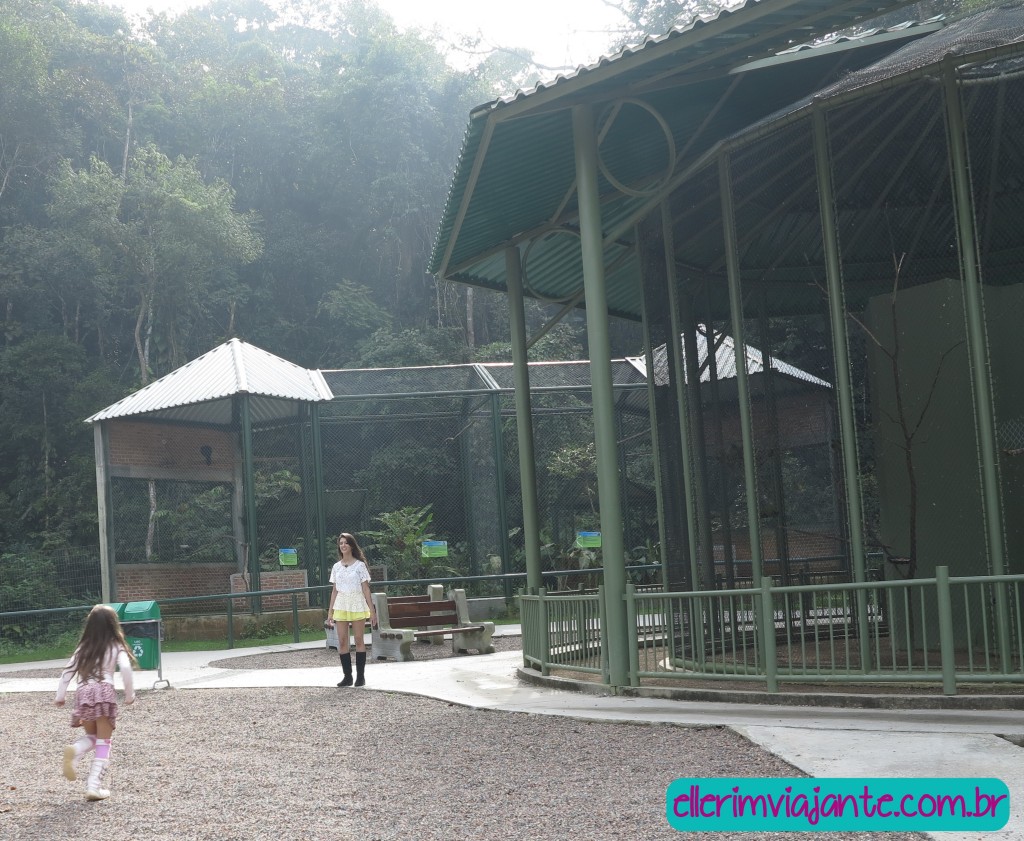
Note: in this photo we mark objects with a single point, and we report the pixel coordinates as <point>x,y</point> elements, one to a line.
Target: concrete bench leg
<point>395,643</point>
<point>477,640</point>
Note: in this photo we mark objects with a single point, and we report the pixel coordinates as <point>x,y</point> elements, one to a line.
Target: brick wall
<point>142,582</point>
<point>196,449</point>
<point>158,582</point>
<point>273,580</point>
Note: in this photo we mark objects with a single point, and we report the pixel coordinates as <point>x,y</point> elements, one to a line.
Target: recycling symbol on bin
<point>137,649</point>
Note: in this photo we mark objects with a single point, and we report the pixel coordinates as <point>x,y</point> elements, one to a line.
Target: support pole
<point>843,384</point>
<point>677,370</point>
<point>772,419</point>
<point>310,546</point>
<point>316,441</point>
<point>740,348</point>
<point>524,420</point>
<point>591,244</point>
<point>249,481</point>
<point>663,404</point>
<point>498,440</point>
<point>977,349</point>
<point>108,572</point>
<point>718,439</point>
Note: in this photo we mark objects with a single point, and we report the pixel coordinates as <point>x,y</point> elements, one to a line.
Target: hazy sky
<point>561,33</point>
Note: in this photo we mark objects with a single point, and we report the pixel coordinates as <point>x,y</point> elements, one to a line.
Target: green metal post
<point>316,442</point>
<point>656,449</point>
<point>621,471</point>
<point>696,444</point>
<point>248,471</point>
<point>311,557</point>
<point>469,517</point>
<point>499,470</point>
<point>592,247</point>
<point>108,571</point>
<point>679,381</point>
<point>947,641</point>
<point>843,384</point>
<point>231,622</point>
<point>545,631</point>
<point>775,445</point>
<point>524,419</point>
<point>740,347</point>
<point>977,349</point>
<point>766,626</point>
<point>634,642</point>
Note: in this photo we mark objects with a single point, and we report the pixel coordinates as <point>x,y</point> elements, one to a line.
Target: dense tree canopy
<point>275,173</point>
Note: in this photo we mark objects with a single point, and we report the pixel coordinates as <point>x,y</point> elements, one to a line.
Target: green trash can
<point>141,624</point>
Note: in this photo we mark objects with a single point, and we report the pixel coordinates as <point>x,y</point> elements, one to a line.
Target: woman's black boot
<point>346,667</point>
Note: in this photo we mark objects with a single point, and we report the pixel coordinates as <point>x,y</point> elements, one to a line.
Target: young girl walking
<point>100,648</point>
<point>351,605</point>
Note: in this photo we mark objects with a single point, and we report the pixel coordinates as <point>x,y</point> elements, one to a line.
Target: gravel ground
<point>315,763</point>
<point>311,658</point>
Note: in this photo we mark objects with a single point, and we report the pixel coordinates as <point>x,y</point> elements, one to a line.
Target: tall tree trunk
<point>145,317</point>
<point>127,144</point>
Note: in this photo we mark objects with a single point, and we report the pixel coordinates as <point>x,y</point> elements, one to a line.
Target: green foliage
<point>398,543</point>
<point>30,580</point>
<point>411,348</point>
<point>270,172</point>
<point>561,342</point>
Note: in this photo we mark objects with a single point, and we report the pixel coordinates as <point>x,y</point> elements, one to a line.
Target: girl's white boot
<point>82,745</point>
<point>93,788</point>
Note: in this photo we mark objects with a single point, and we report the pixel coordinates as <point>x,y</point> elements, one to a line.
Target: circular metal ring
<point>526,256</point>
<point>607,119</point>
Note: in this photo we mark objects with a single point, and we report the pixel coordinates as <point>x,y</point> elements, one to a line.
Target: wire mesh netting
<point>401,458</point>
<point>892,303</point>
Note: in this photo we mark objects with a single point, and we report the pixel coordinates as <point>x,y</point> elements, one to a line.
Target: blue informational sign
<point>434,549</point>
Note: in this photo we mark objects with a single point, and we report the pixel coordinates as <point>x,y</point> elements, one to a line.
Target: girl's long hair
<point>357,553</point>
<point>102,630</point>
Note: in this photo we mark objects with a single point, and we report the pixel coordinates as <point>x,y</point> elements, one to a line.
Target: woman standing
<point>351,605</point>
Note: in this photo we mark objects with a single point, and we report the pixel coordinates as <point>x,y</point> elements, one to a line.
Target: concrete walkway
<point>822,742</point>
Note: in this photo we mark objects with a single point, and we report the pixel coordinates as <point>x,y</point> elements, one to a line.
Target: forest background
<point>274,172</point>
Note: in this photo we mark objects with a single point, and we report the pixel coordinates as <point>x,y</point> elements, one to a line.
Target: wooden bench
<point>402,620</point>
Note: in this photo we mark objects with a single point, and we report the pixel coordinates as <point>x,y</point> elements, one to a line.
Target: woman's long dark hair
<point>102,630</point>
<point>357,553</point>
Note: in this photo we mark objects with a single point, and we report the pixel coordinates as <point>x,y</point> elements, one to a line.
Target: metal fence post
<point>632,635</point>
<point>545,631</point>
<point>231,623</point>
<point>947,651</point>
<point>602,614</point>
<point>767,627</point>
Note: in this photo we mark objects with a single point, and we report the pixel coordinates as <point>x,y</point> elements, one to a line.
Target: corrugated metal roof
<point>516,174</point>
<point>725,361</point>
<point>234,367</point>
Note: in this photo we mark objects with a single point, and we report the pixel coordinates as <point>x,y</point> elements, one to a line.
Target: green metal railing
<point>565,631</point>
<point>37,625</point>
<point>939,630</point>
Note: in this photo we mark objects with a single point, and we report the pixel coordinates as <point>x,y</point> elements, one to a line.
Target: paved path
<point>822,742</point>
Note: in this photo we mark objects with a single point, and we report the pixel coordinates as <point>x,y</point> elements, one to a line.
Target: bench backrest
<point>392,600</point>
<point>426,611</point>
<point>422,614</point>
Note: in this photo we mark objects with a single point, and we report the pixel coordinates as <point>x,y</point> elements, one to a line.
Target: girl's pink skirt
<point>92,701</point>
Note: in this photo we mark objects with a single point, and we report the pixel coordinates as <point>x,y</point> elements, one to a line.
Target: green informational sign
<point>435,549</point>
<point>588,539</point>
<point>288,557</point>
